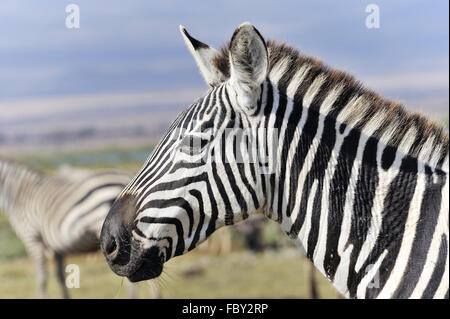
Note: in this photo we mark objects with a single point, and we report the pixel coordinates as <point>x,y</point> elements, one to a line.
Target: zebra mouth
<point>147,270</point>
<point>150,266</point>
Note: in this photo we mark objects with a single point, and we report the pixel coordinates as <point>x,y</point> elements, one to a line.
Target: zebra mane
<point>363,109</point>
<point>8,164</point>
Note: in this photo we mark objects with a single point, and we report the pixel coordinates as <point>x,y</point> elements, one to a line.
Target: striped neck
<point>14,179</point>
<point>364,196</point>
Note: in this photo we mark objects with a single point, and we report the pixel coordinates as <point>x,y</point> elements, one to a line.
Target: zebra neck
<point>345,198</point>
<point>349,199</point>
<point>15,178</point>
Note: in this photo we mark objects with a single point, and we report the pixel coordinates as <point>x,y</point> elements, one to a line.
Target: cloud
<point>21,109</point>
<point>413,81</point>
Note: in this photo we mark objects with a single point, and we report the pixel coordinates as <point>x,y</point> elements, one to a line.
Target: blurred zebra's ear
<point>248,64</point>
<point>204,56</point>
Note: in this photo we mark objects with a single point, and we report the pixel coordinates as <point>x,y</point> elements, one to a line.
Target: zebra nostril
<point>111,247</point>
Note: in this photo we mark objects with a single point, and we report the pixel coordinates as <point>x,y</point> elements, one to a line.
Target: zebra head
<point>207,170</point>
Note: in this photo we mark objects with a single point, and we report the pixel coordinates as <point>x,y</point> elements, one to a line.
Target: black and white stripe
<point>359,183</point>
<point>60,214</point>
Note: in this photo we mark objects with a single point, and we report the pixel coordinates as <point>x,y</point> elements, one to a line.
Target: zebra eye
<point>193,145</point>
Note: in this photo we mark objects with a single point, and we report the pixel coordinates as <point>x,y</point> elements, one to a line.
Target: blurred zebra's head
<point>206,172</point>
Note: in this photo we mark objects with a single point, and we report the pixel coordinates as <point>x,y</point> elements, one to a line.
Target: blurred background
<point>103,94</point>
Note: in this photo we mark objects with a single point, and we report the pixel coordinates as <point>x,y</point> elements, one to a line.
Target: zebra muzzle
<point>148,265</point>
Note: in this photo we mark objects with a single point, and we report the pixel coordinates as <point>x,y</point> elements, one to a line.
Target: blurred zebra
<point>60,214</point>
<point>359,183</point>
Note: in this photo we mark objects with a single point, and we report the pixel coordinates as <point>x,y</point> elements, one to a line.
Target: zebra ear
<point>204,55</point>
<point>248,64</point>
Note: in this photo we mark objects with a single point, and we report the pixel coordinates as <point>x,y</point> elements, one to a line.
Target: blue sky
<point>135,46</point>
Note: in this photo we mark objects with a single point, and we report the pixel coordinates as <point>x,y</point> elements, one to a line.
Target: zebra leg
<point>311,284</point>
<point>36,251</point>
<point>313,294</point>
<point>59,260</point>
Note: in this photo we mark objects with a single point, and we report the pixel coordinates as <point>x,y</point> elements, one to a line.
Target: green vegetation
<point>195,275</point>
<point>10,246</point>
<point>130,159</point>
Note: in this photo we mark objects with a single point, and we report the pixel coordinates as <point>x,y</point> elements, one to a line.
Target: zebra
<point>359,183</point>
<point>57,215</point>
